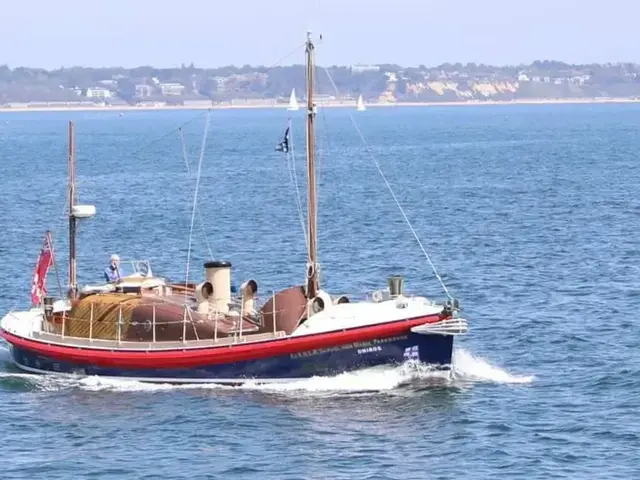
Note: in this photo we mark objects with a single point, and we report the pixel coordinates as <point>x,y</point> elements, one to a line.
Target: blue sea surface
<point>530,214</point>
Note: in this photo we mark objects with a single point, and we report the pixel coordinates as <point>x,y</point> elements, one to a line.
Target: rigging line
<point>384,178</point>
<point>186,162</point>
<point>63,215</point>
<point>289,54</point>
<point>169,133</point>
<point>195,196</point>
<point>294,179</point>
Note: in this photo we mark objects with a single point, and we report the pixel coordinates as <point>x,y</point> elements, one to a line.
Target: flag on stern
<point>45,260</point>
<point>283,146</point>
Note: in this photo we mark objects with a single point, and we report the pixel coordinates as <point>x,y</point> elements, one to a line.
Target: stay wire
<point>388,185</point>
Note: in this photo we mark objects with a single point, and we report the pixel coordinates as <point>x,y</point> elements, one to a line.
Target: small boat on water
<point>360,104</point>
<point>147,328</point>
<point>293,101</point>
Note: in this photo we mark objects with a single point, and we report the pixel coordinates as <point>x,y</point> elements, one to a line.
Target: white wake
<point>467,369</point>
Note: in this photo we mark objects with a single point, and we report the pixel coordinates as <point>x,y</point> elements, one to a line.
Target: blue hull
<point>429,349</point>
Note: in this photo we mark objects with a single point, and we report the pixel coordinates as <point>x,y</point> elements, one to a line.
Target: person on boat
<point>112,272</point>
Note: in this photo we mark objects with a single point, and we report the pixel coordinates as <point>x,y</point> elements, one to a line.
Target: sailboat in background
<point>360,104</point>
<point>293,102</point>
<point>144,327</point>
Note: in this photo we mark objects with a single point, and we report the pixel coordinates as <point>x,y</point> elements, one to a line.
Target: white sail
<point>293,102</point>
<point>360,105</point>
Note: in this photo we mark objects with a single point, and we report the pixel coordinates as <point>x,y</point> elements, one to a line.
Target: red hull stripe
<point>215,355</point>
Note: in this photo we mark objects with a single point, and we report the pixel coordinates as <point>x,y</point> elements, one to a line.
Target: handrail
<point>187,309</point>
<point>109,320</point>
<point>162,345</point>
<point>118,320</point>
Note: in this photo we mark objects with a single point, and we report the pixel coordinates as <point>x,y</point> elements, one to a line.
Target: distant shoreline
<point>129,108</point>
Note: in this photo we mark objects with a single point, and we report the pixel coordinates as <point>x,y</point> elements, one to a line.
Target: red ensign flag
<point>38,286</point>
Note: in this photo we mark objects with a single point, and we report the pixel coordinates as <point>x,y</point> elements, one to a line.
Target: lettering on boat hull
<point>362,347</point>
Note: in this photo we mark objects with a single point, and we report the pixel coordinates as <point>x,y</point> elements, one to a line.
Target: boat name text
<point>363,347</point>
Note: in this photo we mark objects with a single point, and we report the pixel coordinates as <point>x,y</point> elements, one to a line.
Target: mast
<point>312,266</point>
<point>72,218</point>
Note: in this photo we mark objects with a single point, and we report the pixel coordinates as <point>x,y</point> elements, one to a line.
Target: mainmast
<point>312,266</point>
<point>72,219</point>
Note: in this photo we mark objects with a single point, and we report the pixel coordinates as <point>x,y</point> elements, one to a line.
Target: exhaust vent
<point>396,286</point>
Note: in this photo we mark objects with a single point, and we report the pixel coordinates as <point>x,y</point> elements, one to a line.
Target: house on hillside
<point>98,92</point>
<point>171,89</point>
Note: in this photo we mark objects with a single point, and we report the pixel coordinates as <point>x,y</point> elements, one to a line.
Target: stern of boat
<point>21,324</point>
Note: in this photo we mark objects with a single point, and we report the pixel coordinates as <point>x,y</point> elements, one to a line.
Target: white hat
<point>115,258</point>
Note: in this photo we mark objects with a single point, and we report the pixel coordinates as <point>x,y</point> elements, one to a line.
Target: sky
<point>212,33</point>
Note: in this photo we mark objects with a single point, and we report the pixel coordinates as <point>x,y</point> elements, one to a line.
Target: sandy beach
<point>344,104</point>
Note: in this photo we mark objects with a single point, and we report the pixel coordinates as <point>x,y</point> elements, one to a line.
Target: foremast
<point>313,284</point>
<point>76,212</point>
